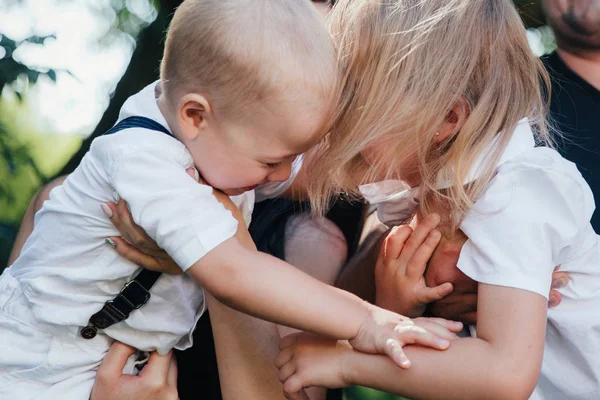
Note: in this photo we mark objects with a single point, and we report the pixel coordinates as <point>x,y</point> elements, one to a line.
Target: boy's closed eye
<point>274,165</point>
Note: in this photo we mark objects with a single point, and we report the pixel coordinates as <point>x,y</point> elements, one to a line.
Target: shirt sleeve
<point>520,227</point>
<point>181,215</point>
<point>276,189</point>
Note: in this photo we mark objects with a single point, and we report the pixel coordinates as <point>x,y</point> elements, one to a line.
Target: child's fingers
<point>395,240</point>
<point>453,326</point>
<point>418,263</point>
<point>292,387</point>
<point>288,340</point>
<point>427,295</point>
<point>418,237</point>
<point>438,329</point>
<point>414,334</point>
<point>284,357</point>
<point>393,349</point>
<point>286,371</point>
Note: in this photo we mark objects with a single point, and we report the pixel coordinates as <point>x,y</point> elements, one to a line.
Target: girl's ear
<point>194,114</point>
<point>454,121</point>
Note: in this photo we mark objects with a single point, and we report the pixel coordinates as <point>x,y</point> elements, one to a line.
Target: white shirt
<point>68,272</point>
<point>534,215</point>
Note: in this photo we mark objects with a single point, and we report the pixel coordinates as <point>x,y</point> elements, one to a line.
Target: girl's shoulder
<point>541,177</point>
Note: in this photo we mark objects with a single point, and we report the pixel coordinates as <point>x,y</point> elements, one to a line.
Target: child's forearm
<point>469,369</point>
<point>270,289</point>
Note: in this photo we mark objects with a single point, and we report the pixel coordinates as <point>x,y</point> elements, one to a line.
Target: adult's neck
<point>584,64</point>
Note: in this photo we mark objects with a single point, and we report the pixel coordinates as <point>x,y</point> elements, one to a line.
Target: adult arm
<point>27,223</point>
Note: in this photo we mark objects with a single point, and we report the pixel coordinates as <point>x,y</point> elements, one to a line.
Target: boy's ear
<point>454,121</point>
<point>193,114</point>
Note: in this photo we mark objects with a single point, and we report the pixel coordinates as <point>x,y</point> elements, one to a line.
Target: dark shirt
<point>575,111</point>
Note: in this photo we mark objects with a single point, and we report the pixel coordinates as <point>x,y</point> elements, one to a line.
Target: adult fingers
<point>173,372</point>
<point>418,263</point>
<point>157,370</point>
<point>418,236</point>
<point>134,255</point>
<point>554,299</point>
<point>114,361</point>
<point>560,279</point>
<point>426,294</point>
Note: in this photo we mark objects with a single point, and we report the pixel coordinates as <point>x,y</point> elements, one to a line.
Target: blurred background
<point>67,66</point>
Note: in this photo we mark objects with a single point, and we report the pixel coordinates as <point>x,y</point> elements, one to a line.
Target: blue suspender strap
<point>136,292</point>
<point>137,122</point>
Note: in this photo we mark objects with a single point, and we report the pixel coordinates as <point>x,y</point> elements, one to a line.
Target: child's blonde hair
<point>404,65</point>
<point>239,52</point>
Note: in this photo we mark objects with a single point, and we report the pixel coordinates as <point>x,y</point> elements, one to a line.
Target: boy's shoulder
<point>109,150</point>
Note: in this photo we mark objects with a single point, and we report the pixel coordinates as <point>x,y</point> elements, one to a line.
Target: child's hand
<point>385,332</point>
<point>308,360</point>
<point>401,265</point>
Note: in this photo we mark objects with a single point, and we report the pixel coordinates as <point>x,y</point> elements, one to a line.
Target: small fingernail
<point>110,242</point>
<point>443,343</point>
<point>559,283</point>
<point>106,210</point>
<point>116,196</point>
<point>435,218</point>
<point>553,302</point>
<point>435,235</point>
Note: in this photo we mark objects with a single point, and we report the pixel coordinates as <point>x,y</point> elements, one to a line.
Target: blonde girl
<point>447,97</point>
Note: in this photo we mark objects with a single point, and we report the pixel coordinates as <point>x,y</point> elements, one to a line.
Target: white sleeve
<point>276,189</point>
<point>181,215</point>
<point>519,226</point>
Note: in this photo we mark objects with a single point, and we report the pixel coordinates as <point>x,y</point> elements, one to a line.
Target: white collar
<point>396,202</point>
<point>144,103</point>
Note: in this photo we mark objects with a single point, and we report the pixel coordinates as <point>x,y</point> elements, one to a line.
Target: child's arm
<point>187,221</point>
<point>503,362</point>
<point>270,289</point>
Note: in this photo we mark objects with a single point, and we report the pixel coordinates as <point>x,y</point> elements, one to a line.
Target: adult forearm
<point>469,369</point>
<point>246,348</point>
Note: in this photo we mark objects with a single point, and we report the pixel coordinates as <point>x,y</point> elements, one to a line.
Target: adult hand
<point>461,304</point>
<point>156,381</point>
<point>134,243</point>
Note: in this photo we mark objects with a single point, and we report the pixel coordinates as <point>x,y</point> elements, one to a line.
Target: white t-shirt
<point>534,215</point>
<point>68,272</point>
